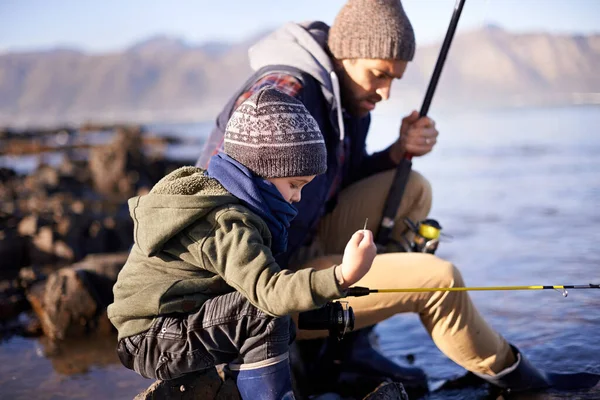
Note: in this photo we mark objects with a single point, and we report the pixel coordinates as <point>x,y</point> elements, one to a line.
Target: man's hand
<point>417,136</point>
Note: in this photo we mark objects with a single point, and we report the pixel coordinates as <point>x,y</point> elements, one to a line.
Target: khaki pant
<point>451,319</point>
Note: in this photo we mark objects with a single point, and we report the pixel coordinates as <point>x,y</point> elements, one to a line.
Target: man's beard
<point>357,109</point>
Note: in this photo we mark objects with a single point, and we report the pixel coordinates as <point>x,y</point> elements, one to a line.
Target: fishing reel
<point>337,317</point>
<point>427,236</point>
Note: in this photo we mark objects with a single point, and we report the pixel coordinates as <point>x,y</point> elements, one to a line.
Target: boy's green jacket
<point>193,241</point>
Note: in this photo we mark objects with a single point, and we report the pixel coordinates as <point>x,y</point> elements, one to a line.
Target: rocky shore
<point>65,233</point>
<point>65,229</point>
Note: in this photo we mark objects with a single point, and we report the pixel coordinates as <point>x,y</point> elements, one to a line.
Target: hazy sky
<point>106,25</point>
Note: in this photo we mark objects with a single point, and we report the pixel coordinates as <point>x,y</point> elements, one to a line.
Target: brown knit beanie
<point>274,136</point>
<point>374,29</point>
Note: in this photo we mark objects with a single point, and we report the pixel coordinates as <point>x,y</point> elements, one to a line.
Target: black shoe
<point>351,367</point>
<point>524,376</point>
<point>360,355</point>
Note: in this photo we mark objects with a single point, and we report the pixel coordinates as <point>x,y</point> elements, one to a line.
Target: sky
<point>112,25</point>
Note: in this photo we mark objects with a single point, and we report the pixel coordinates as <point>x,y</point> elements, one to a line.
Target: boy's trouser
<point>226,329</point>
<point>452,320</point>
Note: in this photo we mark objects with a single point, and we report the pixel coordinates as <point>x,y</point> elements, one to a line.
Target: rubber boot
<point>520,376</point>
<point>523,376</point>
<point>272,382</point>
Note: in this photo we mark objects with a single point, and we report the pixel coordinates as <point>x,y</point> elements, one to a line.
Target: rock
<point>31,325</point>
<point>30,275</point>
<point>42,247</point>
<point>72,301</point>
<point>7,208</point>
<point>388,391</point>
<point>7,174</point>
<point>13,252</point>
<point>24,325</point>
<point>63,304</point>
<point>44,240</point>
<point>63,251</point>
<point>76,170</point>
<point>28,226</point>
<point>105,265</point>
<point>202,386</point>
<point>12,300</point>
<point>110,166</point>
<point>209,385</point>
<point>47,176</point>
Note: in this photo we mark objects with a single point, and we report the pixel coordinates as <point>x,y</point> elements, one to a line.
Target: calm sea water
<point>518,191</point>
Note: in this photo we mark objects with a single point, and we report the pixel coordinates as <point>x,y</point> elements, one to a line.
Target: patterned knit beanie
<point>373,29</point>
<point>274,136</point>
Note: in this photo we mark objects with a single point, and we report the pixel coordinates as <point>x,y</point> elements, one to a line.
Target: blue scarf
<point>258,194</point>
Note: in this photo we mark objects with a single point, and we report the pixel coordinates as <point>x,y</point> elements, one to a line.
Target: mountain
<point>492,67</point>
<point>168,79</point>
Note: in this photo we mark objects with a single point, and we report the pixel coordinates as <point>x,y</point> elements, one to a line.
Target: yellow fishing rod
<point>358,291</point>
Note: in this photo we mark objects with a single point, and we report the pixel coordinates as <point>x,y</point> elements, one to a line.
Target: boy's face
<point>365,82</point>
<point>291,187</point>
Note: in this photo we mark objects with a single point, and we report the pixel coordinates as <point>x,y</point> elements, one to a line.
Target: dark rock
<point>388,391</point>
<point>7,174</point>
<point>207,385</point>
<point>8,210</point>
<point>106,265</point>
<point>76,170</point>
<point>47,176</point>
<point>31,326</point>
<point>42,247</point>
<point>12,300</point>
<point>25,325</point>
<point>119,233</point>
<point>30,275</point>
<point>12,253</point>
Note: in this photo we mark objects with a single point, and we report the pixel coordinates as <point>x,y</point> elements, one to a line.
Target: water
<point>518,190</point>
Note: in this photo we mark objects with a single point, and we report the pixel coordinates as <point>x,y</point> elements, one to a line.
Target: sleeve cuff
<point>325,286</point>
<point>338,275</point>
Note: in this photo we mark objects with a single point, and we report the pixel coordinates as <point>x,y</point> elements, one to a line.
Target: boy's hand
<point>358,257</point>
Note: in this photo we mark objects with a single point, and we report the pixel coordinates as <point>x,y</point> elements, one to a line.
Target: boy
<point>201,286</point>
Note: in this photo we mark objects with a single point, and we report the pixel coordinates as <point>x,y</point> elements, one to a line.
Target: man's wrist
<point>396,154</point>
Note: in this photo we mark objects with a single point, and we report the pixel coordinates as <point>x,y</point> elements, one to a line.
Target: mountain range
<point>167,79</point>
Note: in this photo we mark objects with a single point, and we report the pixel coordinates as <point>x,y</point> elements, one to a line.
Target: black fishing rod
<point>403,170</point>
<point>358,291</point>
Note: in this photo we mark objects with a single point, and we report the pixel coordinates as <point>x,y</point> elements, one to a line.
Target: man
<point>340,74</point>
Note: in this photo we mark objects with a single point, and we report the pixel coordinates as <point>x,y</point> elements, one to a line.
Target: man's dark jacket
<point>301,51</point>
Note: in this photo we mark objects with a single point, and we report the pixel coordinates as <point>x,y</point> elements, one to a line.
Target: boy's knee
<point>283,328</point>
<point>279,338</point>
<point>270,341</point>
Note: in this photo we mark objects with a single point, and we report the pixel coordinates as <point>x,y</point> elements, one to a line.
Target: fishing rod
<point>358,291</point>
<point>338,317</point>
<point>403,169</point>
